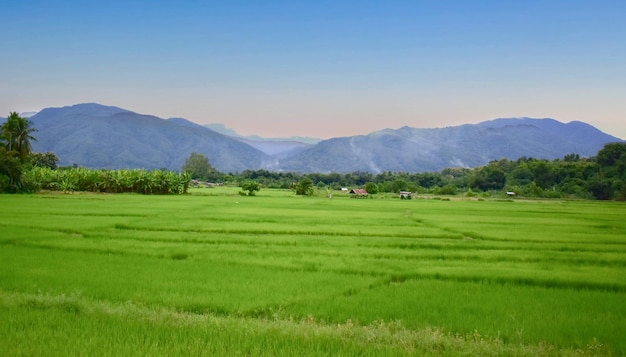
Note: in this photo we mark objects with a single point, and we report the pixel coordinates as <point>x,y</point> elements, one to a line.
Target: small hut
<point>358,193</point>
<point>405,195</point>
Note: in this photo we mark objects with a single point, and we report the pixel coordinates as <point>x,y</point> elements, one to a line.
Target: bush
<point>304,187</point>
<point>251,187</point>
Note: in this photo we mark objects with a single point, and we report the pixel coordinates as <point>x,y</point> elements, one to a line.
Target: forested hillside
<point>97,136</point>
<point>422,150</point>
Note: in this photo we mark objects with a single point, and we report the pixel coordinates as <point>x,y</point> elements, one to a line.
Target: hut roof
<point>359,191</point>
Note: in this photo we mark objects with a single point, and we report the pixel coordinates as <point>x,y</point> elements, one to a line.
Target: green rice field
<point>215,273</point>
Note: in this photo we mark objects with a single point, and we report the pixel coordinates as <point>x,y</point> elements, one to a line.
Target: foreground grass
<point>216,273</point>
<point>70,325</point>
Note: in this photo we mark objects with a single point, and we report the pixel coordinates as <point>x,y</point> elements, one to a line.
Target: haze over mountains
<point>98,136</point>
<point>277,147</point>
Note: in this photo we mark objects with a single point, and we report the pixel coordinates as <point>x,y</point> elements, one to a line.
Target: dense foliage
<point>602,177</point>
<point>110,181</point>
<point>48,159</point>
<point>15,147</point>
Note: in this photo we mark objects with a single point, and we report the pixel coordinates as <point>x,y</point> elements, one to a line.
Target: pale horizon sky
<point>321,68</point>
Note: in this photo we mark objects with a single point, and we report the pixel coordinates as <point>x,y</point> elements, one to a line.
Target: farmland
<point>216,273</point>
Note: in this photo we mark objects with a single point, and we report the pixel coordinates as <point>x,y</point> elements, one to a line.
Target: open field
<point>215,273</point>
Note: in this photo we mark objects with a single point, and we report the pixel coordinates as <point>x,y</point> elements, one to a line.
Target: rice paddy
<point>216,273</point>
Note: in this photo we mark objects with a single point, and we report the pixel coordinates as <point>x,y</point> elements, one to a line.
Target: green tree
<point>251,187</point>
<point>612,160</point>
<point>489,177</point>
<point>521,175</point>
<point>543,173</point>
<point>573,157</point>
<point>15,136</point>
<point>16,131</point>
<point>199,168</point>
<point>600,189</point>
<point>48,159</point>
<point>573,186</point>
<point>398,185</point>
<point>10,171</point>
<point>371,188</point>
<point>428,179</point>
<point>304,187</point>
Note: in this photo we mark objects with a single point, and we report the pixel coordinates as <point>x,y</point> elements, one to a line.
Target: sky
<point>320,68</point>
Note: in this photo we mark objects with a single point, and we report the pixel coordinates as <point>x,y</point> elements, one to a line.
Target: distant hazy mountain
<point>418,150</point>
<point>22,114</point>
<point>222,129</point>
<point>279,147</point>
<point>98,136</point>
<point>27,114</point>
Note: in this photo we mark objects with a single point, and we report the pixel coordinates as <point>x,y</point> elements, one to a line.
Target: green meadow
<point>216,273</point>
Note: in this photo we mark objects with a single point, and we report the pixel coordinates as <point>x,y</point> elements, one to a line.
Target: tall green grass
<point>65,325</point>
<point>476,277</point>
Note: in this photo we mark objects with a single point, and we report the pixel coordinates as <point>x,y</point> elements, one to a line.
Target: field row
<point>513,273</point>
<point>71,325</point>
<point>589,270</point>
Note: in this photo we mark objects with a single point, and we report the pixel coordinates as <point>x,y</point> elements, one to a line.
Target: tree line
<point>601,177</point>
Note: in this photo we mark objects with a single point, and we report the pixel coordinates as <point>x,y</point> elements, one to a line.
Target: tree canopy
<point>15,136</point>
<point>198,166</point>
<point>16,131</point>
<point>304,187</point>
<point>48,159</point>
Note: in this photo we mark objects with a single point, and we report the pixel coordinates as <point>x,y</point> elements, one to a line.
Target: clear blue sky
<point>320,68</point>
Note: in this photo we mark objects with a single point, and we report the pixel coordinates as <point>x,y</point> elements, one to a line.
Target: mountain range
<point>97,136</point>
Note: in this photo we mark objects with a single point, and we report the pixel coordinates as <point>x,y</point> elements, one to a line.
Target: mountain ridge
<point>466,145</point>
<point>98,136</point>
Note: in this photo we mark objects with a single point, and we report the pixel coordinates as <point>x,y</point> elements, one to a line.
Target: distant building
<point>358,193</point>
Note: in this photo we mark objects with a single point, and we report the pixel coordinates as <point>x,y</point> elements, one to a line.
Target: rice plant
<point>216,273</point>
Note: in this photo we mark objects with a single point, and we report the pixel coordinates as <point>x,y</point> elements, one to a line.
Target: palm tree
<point>17,132</point>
